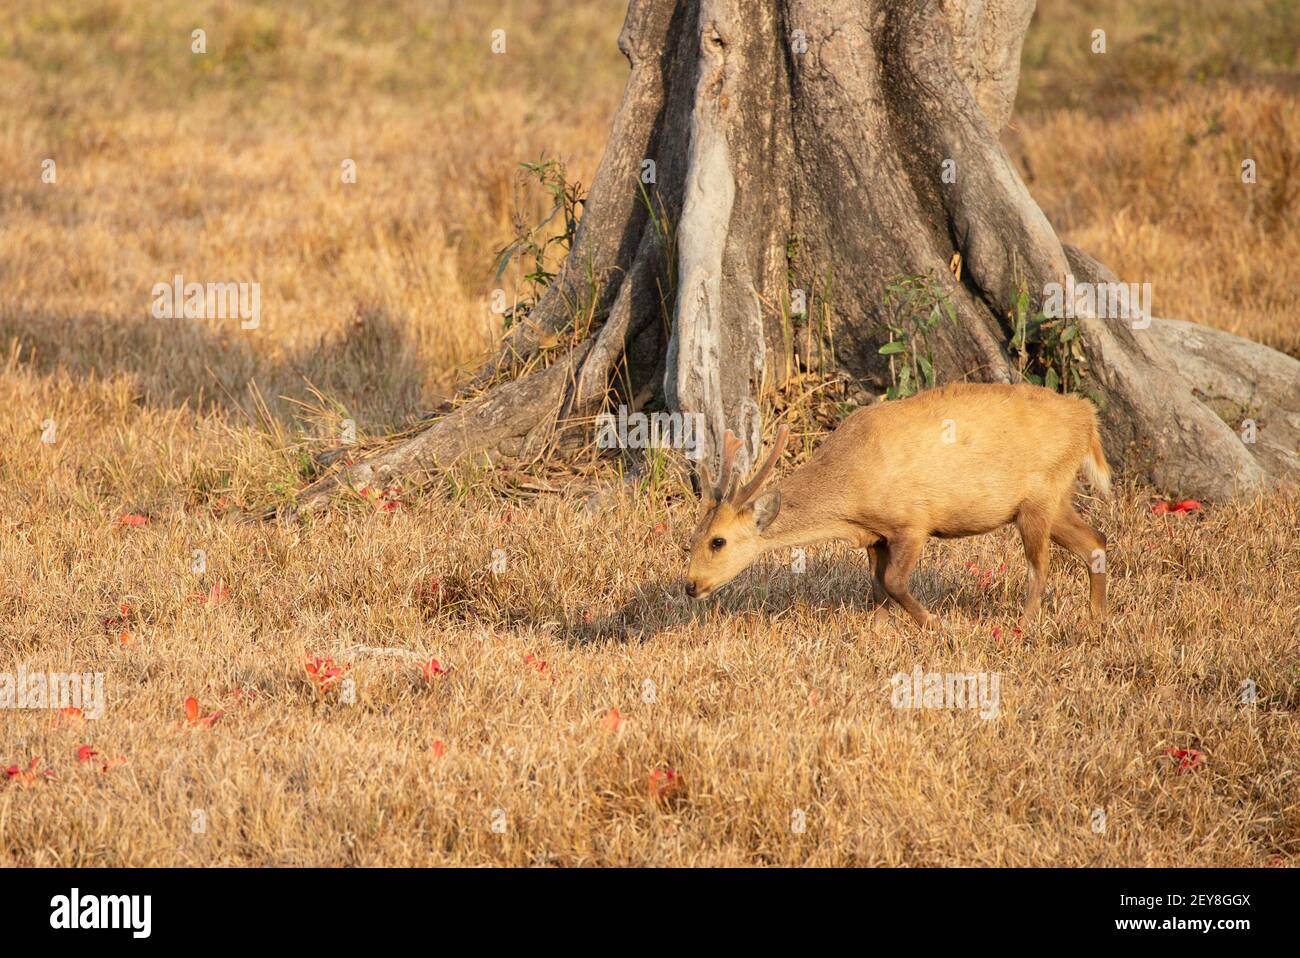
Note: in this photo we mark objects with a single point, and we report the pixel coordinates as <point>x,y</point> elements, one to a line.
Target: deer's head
<point>729,536</point>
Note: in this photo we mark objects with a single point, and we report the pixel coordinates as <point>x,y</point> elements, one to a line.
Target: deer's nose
<point>690,588</point>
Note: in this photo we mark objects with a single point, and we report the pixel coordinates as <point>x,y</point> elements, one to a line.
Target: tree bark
<point>802,145</point>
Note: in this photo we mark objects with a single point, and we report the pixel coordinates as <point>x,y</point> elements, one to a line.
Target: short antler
<point>754,485</point>
<point>726,474</point>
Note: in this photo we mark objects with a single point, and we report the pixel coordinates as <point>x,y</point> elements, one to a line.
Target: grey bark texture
<point>799,145</point>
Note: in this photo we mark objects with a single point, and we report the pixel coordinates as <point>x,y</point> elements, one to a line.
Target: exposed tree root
<point>803,145</point>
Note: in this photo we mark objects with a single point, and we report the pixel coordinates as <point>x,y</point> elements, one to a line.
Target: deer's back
<point>958,460</point>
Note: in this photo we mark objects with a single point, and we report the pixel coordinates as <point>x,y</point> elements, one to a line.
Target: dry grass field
<point>582,712</point>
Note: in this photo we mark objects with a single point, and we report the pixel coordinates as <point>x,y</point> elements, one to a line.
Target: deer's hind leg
<point>1035,529</point>
<point>1070,532</point>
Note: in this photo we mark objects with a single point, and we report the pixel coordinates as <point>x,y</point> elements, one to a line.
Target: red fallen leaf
<point>814,697</point>
<point>997,632</point>
<point>122,617</point>
<point>535,662</point>
<point>1160,508</point>
<point>432,669</point>
<point>509,516</point>
<point>193,716</point>
<point>660,527</point>
<point>1002,568</point>
<point>1187,757</point>
<point>1017,631</point>
<point>613,720</point>
<point>385,500</point>
<point>325,673</point>
<point>1187,505</point>
<point>85,753</point>
<point>663,782</point>
<point>29,775</point>
<point>133,519</point>
<point>438,749</point>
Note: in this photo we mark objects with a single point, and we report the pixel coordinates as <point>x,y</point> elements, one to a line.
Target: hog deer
<point>957,461</point>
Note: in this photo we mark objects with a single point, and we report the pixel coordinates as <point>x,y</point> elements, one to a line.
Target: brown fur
<point>957,461</point>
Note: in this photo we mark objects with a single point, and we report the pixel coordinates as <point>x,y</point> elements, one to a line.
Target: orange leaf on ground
<point>663,782</point>
<point>193,716</point>
<point>218,592</point>
<point>117,621</point>
<point>68,716</point>
<point>133,519</point>
<point>30,775</point>
<point>325,673</point>
<point>1188,758</point>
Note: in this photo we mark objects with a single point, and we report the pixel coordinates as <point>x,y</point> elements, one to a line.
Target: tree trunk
<point>829,147</point>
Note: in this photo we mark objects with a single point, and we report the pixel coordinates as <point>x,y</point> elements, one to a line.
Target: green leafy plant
<point>1048,352</point>
<point>538,243</point>
<point>914,307</point>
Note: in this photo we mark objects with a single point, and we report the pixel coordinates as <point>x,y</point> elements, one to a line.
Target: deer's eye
<point>717,544</point>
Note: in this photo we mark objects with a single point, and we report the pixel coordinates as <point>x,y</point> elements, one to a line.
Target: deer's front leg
<point>901,556</point>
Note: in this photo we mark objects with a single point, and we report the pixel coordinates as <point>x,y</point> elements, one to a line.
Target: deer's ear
<point>766,508</point>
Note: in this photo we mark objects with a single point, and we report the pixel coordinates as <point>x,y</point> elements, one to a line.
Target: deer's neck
<point>804,517</point>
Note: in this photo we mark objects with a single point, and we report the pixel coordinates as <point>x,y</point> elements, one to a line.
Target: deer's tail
<point>1094,464</point>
